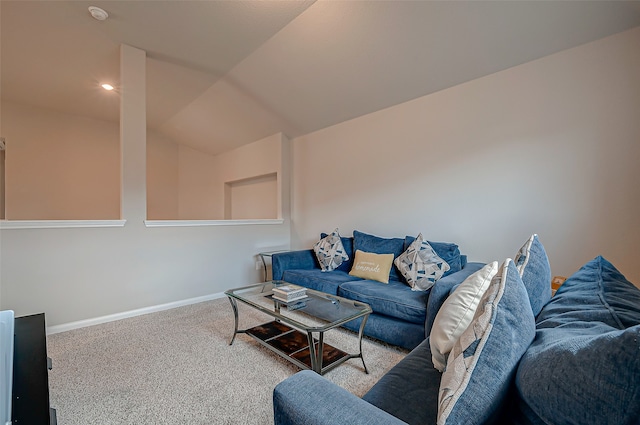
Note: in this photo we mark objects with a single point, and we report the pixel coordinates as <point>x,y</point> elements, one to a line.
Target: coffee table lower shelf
<point>293,345</point>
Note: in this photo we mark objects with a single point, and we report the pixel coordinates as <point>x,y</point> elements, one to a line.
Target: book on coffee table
<point>288,293</point>
<point>295,305</point>
<point>289,300</point>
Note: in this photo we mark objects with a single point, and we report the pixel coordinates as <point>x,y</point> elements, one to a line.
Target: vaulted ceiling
<point>221,74</point>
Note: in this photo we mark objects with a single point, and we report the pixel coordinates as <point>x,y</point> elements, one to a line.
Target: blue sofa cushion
<point>393,299</point>
<point>584,364</point>
<point>449,252</point>
<point>296,260</point>
<point>483,362</point>
<point>327,282</point>
<point>533,264</point>
<point>369,243</point>
<point>347,243</point>
<point>389,329</point>
<point>307,398</point>
<point>409,391</point>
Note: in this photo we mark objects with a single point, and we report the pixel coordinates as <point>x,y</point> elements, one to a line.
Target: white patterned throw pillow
<point>420,265</point>
<point>330,252</point>
<point>456,313</point>
<point>483,361</point>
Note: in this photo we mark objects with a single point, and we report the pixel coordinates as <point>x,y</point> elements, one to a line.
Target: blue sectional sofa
<point>573,358</point>
<point>399,314</point>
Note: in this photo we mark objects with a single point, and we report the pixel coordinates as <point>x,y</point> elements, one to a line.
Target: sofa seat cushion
<point>391,330</point>
<point>584,364</point>
<point>409,391</point>
<point>394,299</point>
<point>318,280</point>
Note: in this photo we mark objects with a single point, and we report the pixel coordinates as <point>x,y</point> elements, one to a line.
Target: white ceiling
<point>221,74</point>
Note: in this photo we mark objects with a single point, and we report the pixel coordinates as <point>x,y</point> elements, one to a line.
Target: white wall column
<point>133,134</point>
<point>284,180</point>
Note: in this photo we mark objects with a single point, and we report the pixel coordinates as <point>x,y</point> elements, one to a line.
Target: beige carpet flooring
<point>176,367</point>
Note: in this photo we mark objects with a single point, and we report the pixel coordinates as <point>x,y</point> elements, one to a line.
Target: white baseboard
<point>132,313</point>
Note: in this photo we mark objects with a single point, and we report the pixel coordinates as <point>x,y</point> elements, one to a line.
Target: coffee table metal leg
<point>312,353</point>
<point>234,306</point>
<point>319,352</point>
<point>360,333</point>
<point>264,266</point>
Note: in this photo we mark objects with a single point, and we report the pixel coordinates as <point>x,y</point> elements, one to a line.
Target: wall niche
<point>251,198</point>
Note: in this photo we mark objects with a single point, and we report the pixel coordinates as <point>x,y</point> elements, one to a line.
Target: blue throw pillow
<point>483,362</point>
<point>533,264</point>
<point>369,243</point>
<point>449,252</point>
<point>584,365</point>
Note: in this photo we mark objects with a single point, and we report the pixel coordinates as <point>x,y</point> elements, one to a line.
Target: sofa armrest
<point>292,260</point>
<point>441,289</point>
<point>307,398</point>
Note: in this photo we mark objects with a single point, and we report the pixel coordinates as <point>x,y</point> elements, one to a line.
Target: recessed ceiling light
<point>97,13</point>
<point>107,86</point>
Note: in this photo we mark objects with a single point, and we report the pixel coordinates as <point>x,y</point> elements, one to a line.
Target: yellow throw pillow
<point>368,265</point>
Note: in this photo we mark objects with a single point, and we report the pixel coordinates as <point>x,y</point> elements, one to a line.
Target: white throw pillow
<point>330,252</point>
<point>420,265</point>
<point>456,313</point>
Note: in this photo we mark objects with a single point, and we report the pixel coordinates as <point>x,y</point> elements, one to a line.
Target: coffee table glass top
<point>333,310</point>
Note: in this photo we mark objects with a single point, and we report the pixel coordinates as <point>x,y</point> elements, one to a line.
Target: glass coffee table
<point>297,331</point>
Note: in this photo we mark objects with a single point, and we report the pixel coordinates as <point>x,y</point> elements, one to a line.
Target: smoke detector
<point>97,13</point>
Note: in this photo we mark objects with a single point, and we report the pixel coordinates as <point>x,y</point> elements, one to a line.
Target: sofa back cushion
<point>533,264</point>
<point>482,363</point>
<point>584,365</point>
<point>377,245</point>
